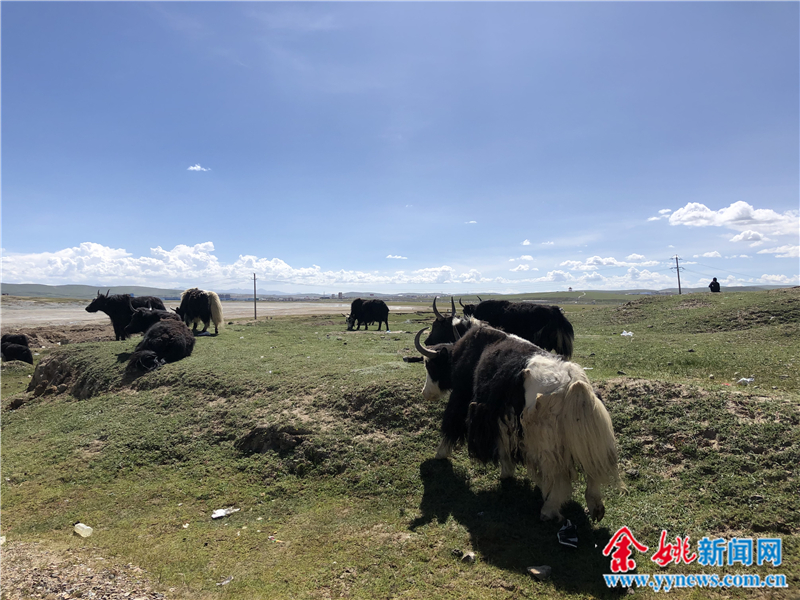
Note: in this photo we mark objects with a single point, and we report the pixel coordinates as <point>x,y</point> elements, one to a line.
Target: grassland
<point>322,440</point>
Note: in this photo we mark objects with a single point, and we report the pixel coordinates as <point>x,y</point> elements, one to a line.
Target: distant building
<point>340,295</point>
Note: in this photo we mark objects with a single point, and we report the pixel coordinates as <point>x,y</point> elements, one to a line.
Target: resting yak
<point>367,312</point>
<point>199,305</point>
<point>120,307</point>
<point>144,318</point>
<point>14,346</point>
<point>545,326</point>
<point>165,341</point>
<point>513,402</point>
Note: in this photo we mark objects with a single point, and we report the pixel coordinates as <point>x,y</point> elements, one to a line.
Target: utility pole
<point>678,269</point>
<point>255,299</point>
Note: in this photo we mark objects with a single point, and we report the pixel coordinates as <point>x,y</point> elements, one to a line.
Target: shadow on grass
<point>505,530</point>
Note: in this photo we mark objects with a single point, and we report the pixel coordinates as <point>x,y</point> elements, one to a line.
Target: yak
<point>545,326</point>
<point>13,351</point>
<point>15,338</point>
<point>511,401</point>
<point>446,329</point>
<point>144,318</point>
<point>166,341</point>
<point>120,307</point>
<point>367,312</point>
<point>199,305</point>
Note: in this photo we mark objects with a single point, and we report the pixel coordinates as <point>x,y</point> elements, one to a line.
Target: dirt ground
<point>48,323</point>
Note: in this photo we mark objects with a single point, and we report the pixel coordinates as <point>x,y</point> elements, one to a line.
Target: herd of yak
<point>514,395</point>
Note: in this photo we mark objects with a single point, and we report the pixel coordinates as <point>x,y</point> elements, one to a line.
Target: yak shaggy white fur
<point>565,425</point>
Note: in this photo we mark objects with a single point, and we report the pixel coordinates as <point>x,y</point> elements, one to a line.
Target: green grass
<point>322,439</point>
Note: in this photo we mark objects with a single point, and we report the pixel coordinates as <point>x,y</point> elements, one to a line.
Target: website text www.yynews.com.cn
<point>665,583</point>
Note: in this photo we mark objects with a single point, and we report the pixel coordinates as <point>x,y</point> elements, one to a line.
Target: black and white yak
<point>144,318</point>
<point>120,307</point>
<point>545,326</point>
<point>14,346</point>
<point>367,312</point>
<point>166,341</point>
<point>200,306</point>
<point>513,402</point>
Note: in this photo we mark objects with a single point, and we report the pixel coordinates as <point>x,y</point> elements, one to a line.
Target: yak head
<point>141,319</point>
<point>444,329</point>
<point>437,368</point>
<point>469,309</point>
<point>99,303</point>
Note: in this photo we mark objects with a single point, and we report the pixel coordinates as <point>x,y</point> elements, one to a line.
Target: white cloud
<point>713,254</point>
<point>634,257</point>
<point>469,222</point>
<point>397,256</point>
<point>196,265</point>
<point>197,168</point>
<point>526,243</point>
<point>738,256</point>
<point>596,262</point>
<point>739,216</point>
<point>526,257</point>
<point>782,251</point>
<point>779,279</point>
<point>548,243</point>
<point>664,214</point>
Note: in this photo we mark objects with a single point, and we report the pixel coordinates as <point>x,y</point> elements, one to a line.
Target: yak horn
<point>455,333</point>
<point>453,305</point>
<point>436,312</point>
<point>461,304</point>
<point>479,299</point>
<point>422,350</point>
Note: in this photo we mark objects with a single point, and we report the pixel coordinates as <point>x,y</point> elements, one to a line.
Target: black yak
<point>545,326</point>
<point>199,305</point>
<point>144,318</point>
<point>166,341</point>
<point>15,338</point>
<point>367,312</point>
<point>120,307</point>
<point>513,402</point>
<point>16,352</point>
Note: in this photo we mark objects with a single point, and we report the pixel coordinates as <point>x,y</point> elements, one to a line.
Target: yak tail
<point>588,434</point>
<point>216,308</point>
<point>563,430</point>
<point>557,335</point>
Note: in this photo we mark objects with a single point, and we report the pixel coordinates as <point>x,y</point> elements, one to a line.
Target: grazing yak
<point>120,307</point>
<point>545,326</point>
<point>367,312</point>
<point>199,305</point>
<point>166,341</point>
<point>513,402</point>
<point>144,318</point>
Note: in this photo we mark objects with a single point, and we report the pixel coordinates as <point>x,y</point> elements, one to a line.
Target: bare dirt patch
<point>30,570</point>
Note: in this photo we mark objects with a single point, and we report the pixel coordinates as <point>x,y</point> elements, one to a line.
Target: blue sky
<point>400,147</point>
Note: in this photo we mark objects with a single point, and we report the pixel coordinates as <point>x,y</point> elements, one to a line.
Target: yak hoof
<point>597,512</point>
